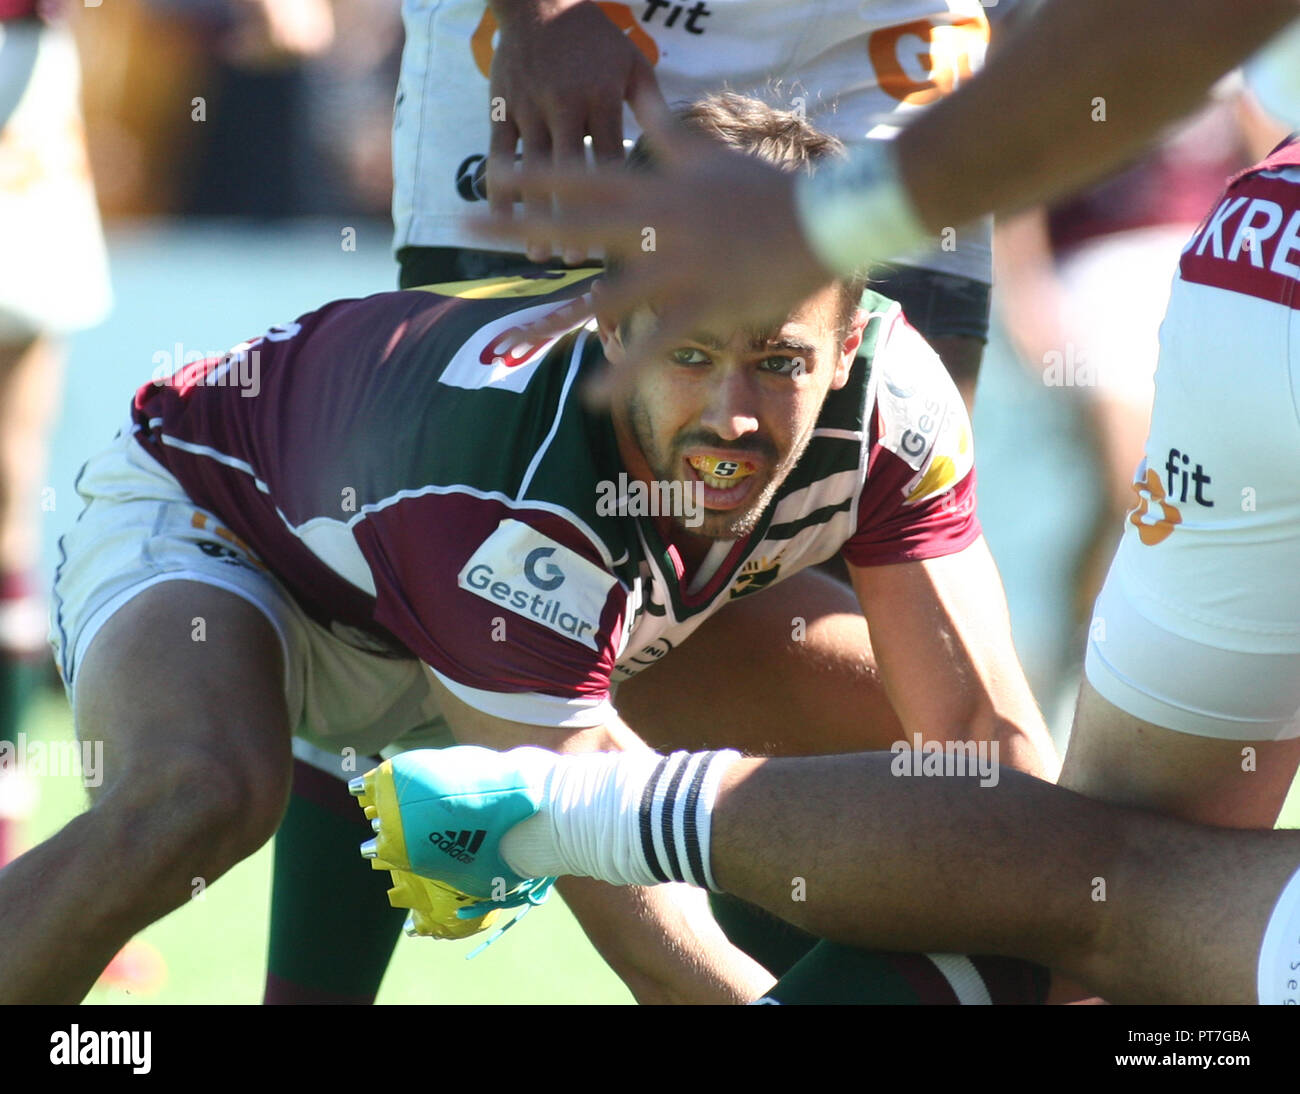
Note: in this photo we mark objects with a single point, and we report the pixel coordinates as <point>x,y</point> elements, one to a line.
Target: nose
<point>731,412</point>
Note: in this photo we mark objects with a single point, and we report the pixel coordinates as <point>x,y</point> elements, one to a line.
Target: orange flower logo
<point>1149,490</point>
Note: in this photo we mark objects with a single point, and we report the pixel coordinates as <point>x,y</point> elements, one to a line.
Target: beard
<point>665,466</point>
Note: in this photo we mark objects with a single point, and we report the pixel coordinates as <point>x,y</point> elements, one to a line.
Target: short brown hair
<point>783,138</point>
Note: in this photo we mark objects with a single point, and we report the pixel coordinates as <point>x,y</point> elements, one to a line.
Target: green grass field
<point>215,947</point>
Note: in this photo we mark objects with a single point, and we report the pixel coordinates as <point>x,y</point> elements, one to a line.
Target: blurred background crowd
<point>295,99</point>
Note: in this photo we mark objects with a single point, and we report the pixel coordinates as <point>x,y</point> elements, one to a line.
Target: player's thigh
<point>785,671</point>
<point>171,638</point>
<point>1117,757</point>
<point>185,683</point>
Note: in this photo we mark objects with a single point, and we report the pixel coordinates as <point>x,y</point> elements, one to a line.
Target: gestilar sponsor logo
<point>480,578</point>
<point>534,576</point>
<point>628,497</point>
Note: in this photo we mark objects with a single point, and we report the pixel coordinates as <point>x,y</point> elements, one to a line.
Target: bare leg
<point>196,773</point>
<point>1115,757</point>
<point>1131,904</point>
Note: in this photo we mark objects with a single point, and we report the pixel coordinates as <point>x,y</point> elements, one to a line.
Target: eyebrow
<point>791,344</point>
<point>758,340</point>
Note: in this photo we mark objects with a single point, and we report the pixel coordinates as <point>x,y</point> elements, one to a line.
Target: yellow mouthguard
<point>722,469</point>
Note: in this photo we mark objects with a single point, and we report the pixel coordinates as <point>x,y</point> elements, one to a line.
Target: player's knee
<point>202,812</point>
<point>241,800</point>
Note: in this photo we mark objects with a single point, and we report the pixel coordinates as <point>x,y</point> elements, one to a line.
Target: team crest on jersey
<point>755,574</point>
<point>504,354</point>
<point>522,571</point>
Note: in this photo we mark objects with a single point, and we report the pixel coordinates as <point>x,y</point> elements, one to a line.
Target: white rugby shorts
<point>139,529</point>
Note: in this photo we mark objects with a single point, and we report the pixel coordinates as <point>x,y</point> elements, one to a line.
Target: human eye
<point>783,366</point>
<point>688,355</point>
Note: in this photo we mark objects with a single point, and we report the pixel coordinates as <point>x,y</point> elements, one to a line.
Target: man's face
<point>733,411</point>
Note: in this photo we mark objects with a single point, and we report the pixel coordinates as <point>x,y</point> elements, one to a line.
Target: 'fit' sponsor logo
<point>626,17</point>
<point>1181,473</point>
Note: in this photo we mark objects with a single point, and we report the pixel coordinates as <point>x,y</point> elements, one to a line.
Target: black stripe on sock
<point>695,853</point>
<point>647,829</point>
<point>673,866</point>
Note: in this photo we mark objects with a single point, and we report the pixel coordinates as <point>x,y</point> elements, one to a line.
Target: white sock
<point>1279,954</point>
<point>629,818</point>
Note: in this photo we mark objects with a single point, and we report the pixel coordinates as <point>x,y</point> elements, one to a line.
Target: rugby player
<point>828,682</point>
<point>1189,706</point>
<point>405,529</point>
<point>1070,93</point>
<point>1139,907</point>
<point>482,79</point>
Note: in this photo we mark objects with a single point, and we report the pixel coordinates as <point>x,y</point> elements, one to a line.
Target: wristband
<point>854,212</point>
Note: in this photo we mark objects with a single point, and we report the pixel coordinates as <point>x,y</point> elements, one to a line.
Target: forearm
<point>1005,728</point>
<point>1029,126</point>
<point>945,619</point>
<point>1022,740</point>
<point>664,944</point>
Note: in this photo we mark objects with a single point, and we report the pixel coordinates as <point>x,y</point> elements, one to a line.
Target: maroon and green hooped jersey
<point>420,492</point>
